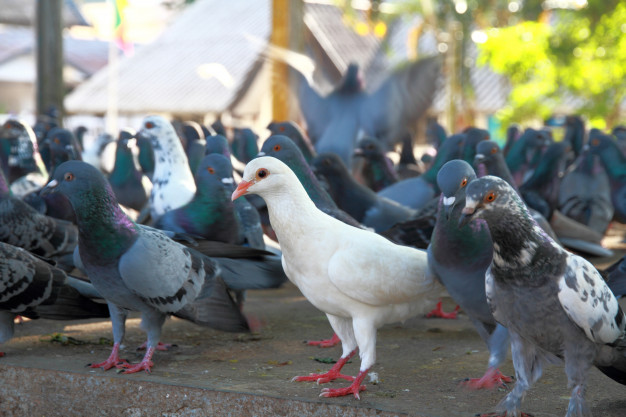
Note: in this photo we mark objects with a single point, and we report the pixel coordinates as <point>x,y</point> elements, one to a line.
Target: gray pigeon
<point>459,257</point>
<point>33,288</point>
<point>555,304</point>
<point>141,269</point>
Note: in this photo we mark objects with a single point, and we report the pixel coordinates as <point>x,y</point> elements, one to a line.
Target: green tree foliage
<point>562,55</point>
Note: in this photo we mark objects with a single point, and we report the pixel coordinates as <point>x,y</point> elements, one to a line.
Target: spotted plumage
<point>555,304</point>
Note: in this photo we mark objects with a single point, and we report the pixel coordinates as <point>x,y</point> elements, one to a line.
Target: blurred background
<point>106,64</point>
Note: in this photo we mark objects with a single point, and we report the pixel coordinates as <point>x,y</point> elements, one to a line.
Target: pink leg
<point>2,354</point>
<point>493,378</point>
<point>354,388</point>
<point>439,313</point>
<point>331,375</point>
<point>501,415</point>
<point>326,343</point>
<point>145,364</point>
<point>160,346</point>
<point>113,360</point>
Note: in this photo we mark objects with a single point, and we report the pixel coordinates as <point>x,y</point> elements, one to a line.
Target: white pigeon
<point>173,183</point>
<point>358,278</point>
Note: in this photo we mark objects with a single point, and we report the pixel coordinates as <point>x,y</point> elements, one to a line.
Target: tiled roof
<point>195,66</point>
<point>22,12</point>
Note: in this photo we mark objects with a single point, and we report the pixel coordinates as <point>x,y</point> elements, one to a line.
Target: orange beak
<point>242,188</point>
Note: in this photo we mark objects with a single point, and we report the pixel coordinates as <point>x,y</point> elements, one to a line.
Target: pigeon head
<point>452,179</point>
<point>486,153</point>
<point>492,199</point>
<point>287,128</point>
<point>283,148</point>
<point>63,145</point>
<point>157,129</point>
<point>352,81</point>
<point>598,142</point>
<point>217,144</point>
<point>264,176</point>
<point>215,169</point>
<point>75,179</point>
<point>369,148</point>
<point>329,165</point>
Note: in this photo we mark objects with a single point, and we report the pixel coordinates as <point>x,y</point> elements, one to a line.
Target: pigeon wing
<point>401,99</point>
<point>163,273</point>
<point>589,302</point>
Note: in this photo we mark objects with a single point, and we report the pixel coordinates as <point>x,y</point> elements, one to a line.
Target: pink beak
<point>242,188</point>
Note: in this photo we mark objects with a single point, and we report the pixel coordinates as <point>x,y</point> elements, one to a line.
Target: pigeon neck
<point>4,185</point>
<point>124,169</point>
<point>105,231</point>
<point>517,241</point>
<point>288,208</point>
<point>613,161</point>
<point>171,159</point>
<point>312,186</point>
<point>208,206</point>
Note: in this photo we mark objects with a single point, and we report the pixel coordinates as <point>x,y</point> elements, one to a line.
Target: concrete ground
<point>419,366</point>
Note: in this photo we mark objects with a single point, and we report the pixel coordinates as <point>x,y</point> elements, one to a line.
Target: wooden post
<point>287,32</point>
<point>49,86</point>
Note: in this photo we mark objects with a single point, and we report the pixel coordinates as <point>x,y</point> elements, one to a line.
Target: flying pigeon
<point>359,279</point>
<point>131,186</point>
<point>334,120</point>
<point>555,304</point>
<point>141,269</point>
<point>172,181</point>
<point>34,288</point>
<point>460,257</point>
<point>357,200</point>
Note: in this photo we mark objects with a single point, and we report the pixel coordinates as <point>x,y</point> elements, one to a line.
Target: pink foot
<point>114,360</point>
<point>326,343</point>
<point>353,389</point>
<point>2,354</point>
<point>18,319</point>
<point>145,364</point>
<point>493,378</point>
<point>160,346</point>
<point>331,375</point>
<point>439,313</point>
<point>502,415</point>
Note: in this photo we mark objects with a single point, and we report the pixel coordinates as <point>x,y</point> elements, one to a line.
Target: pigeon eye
<point>370,147</point>
<point>281,129</point>
<point>68,176</point>
<point>595,142</point>
<point>494,150</point>
<point>149,125</point>
<point>262,173</point>
<point>464,182</point>
<point>276,148</point>
<point>490,197</point>
<point>57,141</point>
<point>211,170</point>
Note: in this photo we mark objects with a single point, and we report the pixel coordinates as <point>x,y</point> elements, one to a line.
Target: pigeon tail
<point>69,305</point>
<point>217,311</point>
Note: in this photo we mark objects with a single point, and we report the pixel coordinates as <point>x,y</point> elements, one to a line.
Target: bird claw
<point>353,389</point>
<point>501,415</point>
<point>322,378</point>
<point>326,343</point>
<point>493,378</point>
<point>438,312</point>
<point>108,364</point>
<point>145,365</point>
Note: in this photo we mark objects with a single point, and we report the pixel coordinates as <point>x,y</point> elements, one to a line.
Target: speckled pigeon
<point>23,226</point>
<point>459,257</point>
<point>172,181</point>
<point>139,268</point>
<point>357,200</point>
<point>34,288</point>
<point>555,304</point>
